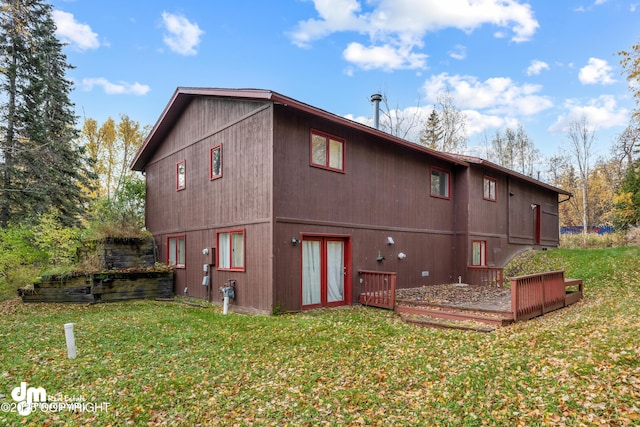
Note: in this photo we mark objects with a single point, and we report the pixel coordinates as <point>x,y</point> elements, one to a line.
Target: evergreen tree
<point>432,133</point>
<point>43,167</point>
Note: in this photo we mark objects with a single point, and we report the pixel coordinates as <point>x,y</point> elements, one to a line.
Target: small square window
<point>440,185</point>
<point>181,175</point>
<point>327,151</point>
<point>176,251</point>
<point>231,250</point>
<point>215,160</point>
<point>479,253</point>
<point>489,189</point>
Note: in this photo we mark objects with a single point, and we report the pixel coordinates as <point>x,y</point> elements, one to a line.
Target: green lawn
<point>159,363</point>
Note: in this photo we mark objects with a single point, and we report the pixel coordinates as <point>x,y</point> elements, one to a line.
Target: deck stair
<point>457,317</point>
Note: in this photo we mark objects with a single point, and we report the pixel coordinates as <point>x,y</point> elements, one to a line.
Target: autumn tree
<point>630,62</point>
<point>112,146</point>
<point>514,150</point>
<point>41,166</point>
<point>627,144</point>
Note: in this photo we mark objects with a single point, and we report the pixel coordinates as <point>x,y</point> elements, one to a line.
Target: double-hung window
<point>327,151</point>
<point>176,251</point>
<point>479,252</point>
<point>489,189</point>
<point>231,250</point>
<point>440,183</point>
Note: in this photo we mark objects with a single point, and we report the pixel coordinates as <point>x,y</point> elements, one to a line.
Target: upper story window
<point>176,255</point>
<point>440,183</point>
<point>327,151</point>
<point>215,161</point>
<point>231,250</point>
<point>489,185</point>
<point>181,175</point>
<point>479,252</point>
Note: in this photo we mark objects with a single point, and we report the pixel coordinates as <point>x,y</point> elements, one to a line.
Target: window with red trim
<point>327,151</point>
<point>440,183</point>
<point>489,188</point>
<point>215,162</point>
<point>479,252</point>
<point>230,251</point>
<point>176,251</point>
<point>181,175</point>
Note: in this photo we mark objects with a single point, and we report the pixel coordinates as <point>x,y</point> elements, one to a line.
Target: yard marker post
<point>71,341</point>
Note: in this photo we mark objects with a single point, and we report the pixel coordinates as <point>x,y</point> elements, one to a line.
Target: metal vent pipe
<point>376,98</point>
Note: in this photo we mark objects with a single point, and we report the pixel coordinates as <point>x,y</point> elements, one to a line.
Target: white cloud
<point>459,52</point>
<point>400,25</point>
<point>79,36</point>
<point>120,88</point>
<point>536,67</point>
<point>497,95</point>
<point>182,36</point>
<point>601,113</point>
<point>386,57</point>
<point>597,71</point>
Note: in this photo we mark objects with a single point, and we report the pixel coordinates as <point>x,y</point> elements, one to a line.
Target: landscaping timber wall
<point>104,286</point>
<point>117,253</point>
<point>124,269</point>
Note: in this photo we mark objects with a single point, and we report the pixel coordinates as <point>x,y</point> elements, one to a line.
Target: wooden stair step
<point>455,314</point>
<point>437,322</point>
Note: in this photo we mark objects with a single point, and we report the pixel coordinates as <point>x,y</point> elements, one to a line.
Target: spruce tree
<point>43,166</point>
<point>432,133</point>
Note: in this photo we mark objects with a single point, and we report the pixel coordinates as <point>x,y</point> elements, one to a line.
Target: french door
<point>324,272</point>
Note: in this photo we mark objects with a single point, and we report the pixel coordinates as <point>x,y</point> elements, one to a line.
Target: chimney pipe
<point>376,98</point>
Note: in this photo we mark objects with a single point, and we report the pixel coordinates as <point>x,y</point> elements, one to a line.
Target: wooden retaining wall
<point>97,287</point>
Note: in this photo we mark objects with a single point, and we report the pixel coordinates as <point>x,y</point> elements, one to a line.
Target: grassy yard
<point>158,363</point>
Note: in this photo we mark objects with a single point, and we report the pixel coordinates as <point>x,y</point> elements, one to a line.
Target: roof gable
<point>184,95</point>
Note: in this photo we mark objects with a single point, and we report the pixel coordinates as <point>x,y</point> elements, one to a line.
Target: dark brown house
<point>291,202</point>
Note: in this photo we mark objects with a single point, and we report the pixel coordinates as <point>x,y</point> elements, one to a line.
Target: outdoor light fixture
<point>295,241</point>
<point>390,240</point>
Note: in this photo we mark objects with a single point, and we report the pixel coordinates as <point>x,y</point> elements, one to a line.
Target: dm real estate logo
<point>26,397</point>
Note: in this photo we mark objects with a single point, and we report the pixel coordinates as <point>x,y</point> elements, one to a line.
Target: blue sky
<point>542,64</point>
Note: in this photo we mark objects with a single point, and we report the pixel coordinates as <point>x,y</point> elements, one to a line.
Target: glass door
<point>324,272</point>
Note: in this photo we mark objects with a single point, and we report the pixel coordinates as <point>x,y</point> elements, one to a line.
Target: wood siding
<point>508,223</point>
<point>269,189</point>
<point>241,198</point>
<point>384,192</point>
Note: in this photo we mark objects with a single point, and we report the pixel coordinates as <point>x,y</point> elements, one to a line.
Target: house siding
<point>383,192</point>
<point>270,190</point>
<point>241,198</point>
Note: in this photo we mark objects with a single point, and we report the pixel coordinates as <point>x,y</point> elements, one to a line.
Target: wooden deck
<point>479,307</point>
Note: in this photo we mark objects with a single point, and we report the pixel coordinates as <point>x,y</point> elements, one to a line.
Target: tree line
<point>58,183</point>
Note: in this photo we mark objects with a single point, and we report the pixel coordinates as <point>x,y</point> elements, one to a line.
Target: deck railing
<point>537,294</point>
<point>379,288</point>
<point>491,276</point>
